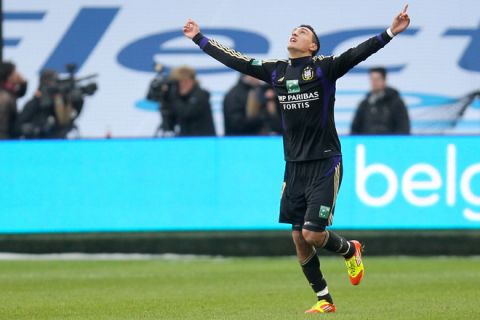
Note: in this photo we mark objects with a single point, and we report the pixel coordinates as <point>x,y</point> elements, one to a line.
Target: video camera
<point>44,116</point>
<point>68,87</point>
<point>161,87</point>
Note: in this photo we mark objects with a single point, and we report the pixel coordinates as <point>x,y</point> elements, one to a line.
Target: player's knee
<point>314,238</point>
<point>308,236</point>
<point>298,237</point>
<point>303,248</point>
<point>301,245</point>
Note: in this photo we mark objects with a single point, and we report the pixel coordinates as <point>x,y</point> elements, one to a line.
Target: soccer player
<point>305,86</point>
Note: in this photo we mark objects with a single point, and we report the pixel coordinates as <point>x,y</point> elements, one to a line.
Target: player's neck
<point>295,54</point>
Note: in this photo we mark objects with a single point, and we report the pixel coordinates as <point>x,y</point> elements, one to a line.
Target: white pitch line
<point>106,256</point>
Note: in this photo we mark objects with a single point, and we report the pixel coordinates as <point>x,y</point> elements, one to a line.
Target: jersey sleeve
<point>338,66</point>
<point>235,60</point>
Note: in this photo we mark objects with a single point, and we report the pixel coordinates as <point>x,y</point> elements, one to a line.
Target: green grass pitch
<point>251,288</point>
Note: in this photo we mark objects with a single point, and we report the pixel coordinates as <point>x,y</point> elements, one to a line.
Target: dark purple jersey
<point>306,91</point>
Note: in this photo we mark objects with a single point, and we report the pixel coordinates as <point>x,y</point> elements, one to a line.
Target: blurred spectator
<point>236,120</point>
<point>262,104</point>
<point>51,112</point>
<point>185,107</point>
<point>12,87</point>
<point>382,111</point>
<point>250,108</point>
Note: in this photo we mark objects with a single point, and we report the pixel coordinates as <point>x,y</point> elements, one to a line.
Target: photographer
<point>263,104</point>
<point>251,108</point>
<point>236,120</point>
<point>185,107</point>
<point>12,87</point>
<point>52,110</point>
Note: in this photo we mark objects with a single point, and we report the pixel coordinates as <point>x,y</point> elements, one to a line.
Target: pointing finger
<point>405,9</point>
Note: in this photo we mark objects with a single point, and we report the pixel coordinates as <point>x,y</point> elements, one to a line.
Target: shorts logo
<point>283,188</point>
<point>324,212</point>
<point>307,73</point>
<point>257,63</point>
<point>293,86</point>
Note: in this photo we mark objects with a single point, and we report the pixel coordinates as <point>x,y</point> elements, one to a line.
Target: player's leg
<point>310,263</point>
<point>350,250</point>
<point>321,197</point>
<point>328,240</point>
<point>292,210</point>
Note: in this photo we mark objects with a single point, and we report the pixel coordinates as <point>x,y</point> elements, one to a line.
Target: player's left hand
<point>400,22</point>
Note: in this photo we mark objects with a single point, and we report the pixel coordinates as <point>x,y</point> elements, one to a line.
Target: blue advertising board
<point>230,184</point>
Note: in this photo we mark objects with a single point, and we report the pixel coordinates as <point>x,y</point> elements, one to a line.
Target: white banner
<point>435,62</point>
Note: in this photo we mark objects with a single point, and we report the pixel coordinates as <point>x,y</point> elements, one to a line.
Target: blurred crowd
<point>250,107</point>
<point>49,114</point>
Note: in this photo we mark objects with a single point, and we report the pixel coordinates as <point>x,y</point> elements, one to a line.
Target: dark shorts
<point>309,193</point>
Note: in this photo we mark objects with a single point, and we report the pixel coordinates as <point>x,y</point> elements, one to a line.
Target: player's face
<point>301,40</point>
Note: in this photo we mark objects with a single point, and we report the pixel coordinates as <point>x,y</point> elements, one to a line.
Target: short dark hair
<point>380,70</point>
<point>6,70</point>
<point>314,38</point>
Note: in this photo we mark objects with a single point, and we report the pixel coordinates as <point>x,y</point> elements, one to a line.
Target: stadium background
<point>227,185</point>
<point>102,198</point>
<point>434,62</point>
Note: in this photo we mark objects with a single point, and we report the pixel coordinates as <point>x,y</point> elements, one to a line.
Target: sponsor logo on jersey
<point>301,96</point>
<point>293,86</point>
<point>297,101</point>
<point>257,63</point>
<point>307,73</point>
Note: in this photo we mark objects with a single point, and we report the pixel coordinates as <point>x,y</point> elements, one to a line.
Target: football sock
<point>337,244</point>
<point>311,269</point>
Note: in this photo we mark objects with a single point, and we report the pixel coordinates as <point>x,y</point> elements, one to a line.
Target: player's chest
<point>299,89</point>
<point>294,80</point>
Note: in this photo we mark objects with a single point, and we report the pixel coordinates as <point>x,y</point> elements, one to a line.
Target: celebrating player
<point>305,85</point>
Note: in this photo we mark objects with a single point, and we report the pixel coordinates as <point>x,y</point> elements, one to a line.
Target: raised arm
<point>233,59</point>
<point>350,58</point>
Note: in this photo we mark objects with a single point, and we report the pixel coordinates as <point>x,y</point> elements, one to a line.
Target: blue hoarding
<point>230,184</point>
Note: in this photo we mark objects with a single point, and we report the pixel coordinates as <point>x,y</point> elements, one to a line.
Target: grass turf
<point>256,288</point>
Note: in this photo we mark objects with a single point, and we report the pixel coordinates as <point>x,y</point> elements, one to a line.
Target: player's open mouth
<point>292,39</point>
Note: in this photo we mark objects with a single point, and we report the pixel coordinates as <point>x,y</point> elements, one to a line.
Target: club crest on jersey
<point>307,73</point>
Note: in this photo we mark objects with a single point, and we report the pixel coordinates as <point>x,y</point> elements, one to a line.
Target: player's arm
<point>229,57</point>
<point>350,58</point>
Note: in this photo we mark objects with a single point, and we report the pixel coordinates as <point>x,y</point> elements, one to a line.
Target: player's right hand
<point>400,22</point>
<point>191,29</point>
